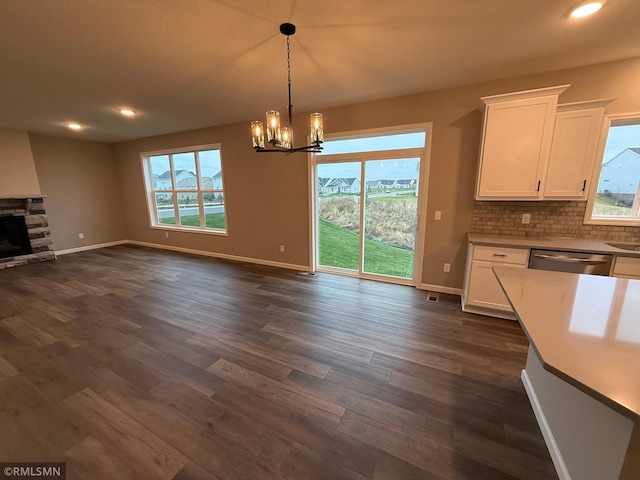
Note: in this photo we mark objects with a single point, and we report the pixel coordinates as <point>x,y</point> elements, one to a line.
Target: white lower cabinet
<point>482,292</point>
<point>626,267</point>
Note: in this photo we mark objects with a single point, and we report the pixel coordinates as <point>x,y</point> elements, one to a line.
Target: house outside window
<point>616,199</point>
<point>185,189</point>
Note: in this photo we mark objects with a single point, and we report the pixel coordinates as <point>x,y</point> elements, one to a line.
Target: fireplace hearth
<point>24,231</point>
<point>14,238</point>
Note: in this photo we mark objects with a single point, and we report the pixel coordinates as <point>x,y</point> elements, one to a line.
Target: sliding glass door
<point>390,216</point>
<point>366,207</point>
<point>338,201</point>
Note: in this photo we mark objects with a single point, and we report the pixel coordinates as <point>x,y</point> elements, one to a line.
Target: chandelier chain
<point>288,62</point>
<point>289,106</point>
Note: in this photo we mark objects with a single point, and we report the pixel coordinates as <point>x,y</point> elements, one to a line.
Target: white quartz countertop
<point>584,328</point>
<point>550,243</point>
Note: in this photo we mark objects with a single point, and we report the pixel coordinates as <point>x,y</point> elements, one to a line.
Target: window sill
<point>171,228</point>
<point>620,222</point>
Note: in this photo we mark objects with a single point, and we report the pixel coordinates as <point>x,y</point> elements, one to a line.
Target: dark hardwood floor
<point>132,363</point>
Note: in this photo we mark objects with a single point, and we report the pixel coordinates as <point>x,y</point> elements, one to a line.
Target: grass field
<point>339,248</point>
<point>212,220</point>
<point>388,220</point>
<point>605,205</point>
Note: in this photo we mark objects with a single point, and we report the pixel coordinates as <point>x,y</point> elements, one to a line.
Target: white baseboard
<point>91,247</point>
<point>225,256</point>
<point>554,451</point>
<point>290,266</point>
<point>439,289</point>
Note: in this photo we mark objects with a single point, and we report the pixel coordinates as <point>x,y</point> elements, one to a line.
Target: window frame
<point>150,192</point>
<point>589,219</point>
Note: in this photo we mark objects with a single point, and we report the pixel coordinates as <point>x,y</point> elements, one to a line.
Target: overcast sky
<point>619,138</point>
<point>397,169</point>
<point>209,163</point>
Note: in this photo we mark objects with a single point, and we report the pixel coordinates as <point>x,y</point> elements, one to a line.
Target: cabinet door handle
<point>538,186</point>
<point>584,185</point>
<point>499,254</point>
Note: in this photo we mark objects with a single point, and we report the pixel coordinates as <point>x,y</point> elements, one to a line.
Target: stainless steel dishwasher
<point>572,262</point>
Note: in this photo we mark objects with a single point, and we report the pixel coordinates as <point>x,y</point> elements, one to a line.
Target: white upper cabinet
<point>516,144</point>
<point>573,149</point>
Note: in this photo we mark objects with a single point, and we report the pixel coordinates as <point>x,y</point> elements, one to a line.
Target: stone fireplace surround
<point>32,207</point>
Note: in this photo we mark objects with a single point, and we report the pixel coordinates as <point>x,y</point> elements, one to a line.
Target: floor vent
<point>433,296</point>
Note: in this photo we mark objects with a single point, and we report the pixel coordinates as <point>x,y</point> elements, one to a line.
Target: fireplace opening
<point>14,238</point>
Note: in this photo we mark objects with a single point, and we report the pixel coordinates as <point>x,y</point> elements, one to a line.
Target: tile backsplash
<point>548,219</point>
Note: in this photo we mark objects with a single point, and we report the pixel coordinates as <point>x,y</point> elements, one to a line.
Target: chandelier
<point>281,138</point>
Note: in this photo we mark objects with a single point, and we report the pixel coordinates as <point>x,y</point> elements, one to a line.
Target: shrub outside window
<point>185,189</point>
<point>616,200</point>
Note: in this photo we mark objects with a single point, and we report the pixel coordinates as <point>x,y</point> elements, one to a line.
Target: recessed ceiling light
<point>586,9</point>
<point>74,126</point>
<point>127,112</point>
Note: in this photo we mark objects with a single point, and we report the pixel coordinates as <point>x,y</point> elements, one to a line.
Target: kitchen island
<point>582,374</point>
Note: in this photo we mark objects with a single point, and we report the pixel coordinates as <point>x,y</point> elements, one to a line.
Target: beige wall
<point>83,195</point>
<point>267,195</point>
<point>17,171</point>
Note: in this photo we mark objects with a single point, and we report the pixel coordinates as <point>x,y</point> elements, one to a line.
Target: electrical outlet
<point>526,217</point>
<point>166,234</point>
<point>447,267</point>
<point>281,248</point>
<point>438,215</point>
<point>81,235</point>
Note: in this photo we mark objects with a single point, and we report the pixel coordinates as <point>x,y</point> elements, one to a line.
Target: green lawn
<point>607,206</point>
<point>402,197</point>
<point>212,220</point>
<point>339,248</point>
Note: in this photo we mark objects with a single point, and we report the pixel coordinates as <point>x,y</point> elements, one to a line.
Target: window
<point>616,199</point>
<point>185,189</point>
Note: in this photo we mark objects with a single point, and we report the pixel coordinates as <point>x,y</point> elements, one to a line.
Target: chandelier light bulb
<point>317,134</point>
<point>273,126</point>
<point>257,134</point>
<point>287,137</point>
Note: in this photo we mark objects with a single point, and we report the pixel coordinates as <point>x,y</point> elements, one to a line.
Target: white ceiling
<point>185,64</point>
